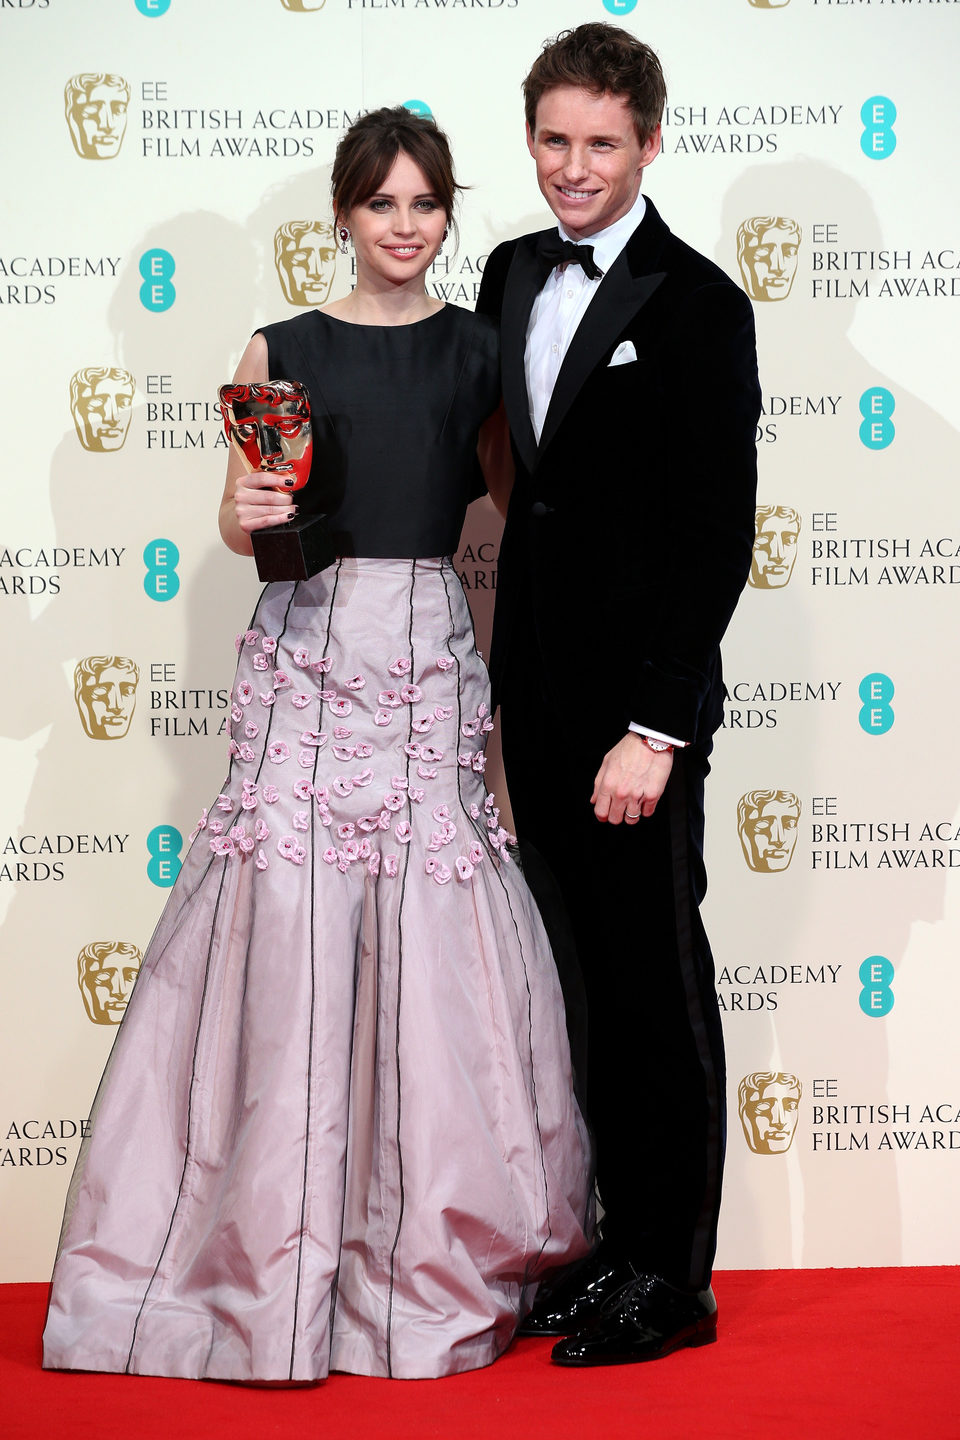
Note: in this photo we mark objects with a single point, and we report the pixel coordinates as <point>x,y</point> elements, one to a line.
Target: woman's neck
<point>365,306</point>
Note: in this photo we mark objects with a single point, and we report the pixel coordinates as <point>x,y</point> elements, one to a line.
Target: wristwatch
<point>658,745</point>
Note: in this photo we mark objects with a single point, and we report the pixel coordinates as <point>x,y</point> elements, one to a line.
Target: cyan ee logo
<point>876,713</point>
<point>619,7</point>
<point>878,141</point>
<point>164,844</point>
<point>418,107</point>
<point>156,268</point>
<point>161,558</point>
<point>876,977</point>
<point>153,7</point>
<point>877,429</point>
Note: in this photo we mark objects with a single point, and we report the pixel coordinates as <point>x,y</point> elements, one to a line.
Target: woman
<point>337,1128</point>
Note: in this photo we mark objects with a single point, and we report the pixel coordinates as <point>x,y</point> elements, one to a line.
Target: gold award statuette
<point>269,426</point>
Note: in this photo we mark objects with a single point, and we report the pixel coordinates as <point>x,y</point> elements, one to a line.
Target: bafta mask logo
<point>101,399</point>
<point>769,4</point>
<point>106,970</point>
<point>96,106</point>
<point>105,689</point>
<point>767,250</point>
<point>303,5</point>
<point>767,821</point>
<point>774,546</point>
<point>305,252</point>
<point>769,1104</point>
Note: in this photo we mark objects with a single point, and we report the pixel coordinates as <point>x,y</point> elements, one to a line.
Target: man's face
<point>99,119</point>
<point>108,983</point>
<point>771,834</point>
<point>309,263</point>
<point>110,698</point>
<point>589,160</point>
<point>772,258</point>
<point>103,413</point>
<point>772,1114</point>
<point>774,552</point>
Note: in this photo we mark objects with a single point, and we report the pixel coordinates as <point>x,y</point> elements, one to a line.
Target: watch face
<point>657,744</point>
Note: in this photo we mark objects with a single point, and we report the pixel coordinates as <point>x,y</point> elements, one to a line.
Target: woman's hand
<point>258,504</point>
<point>250,502</point>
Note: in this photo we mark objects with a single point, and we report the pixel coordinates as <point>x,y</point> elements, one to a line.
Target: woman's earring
<point>344,234</point>
<point>443,241</point>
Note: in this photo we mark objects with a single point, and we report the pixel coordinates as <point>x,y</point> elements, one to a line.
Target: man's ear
<point>651,149</point>
<point>530,138</point>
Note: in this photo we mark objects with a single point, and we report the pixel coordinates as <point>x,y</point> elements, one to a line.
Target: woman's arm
<point>250,502</point>
<point>496,458</point>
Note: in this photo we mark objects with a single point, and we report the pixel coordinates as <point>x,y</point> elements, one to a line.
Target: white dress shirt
<point>556,313</point>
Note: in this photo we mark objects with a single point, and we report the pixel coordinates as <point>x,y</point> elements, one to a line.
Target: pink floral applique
<point>464,868</point>
<point>251,637</point>
<point>269,645</point>
<point>479,763</point>
<point>200,825</point>
<point>443,712</point>
<point>262,861</point>
<point>373,864</point>
<point>261,830</point>
<point>341,706</point>
<point>248,800</point>
<point>316,738</point>
<point>270,794</point>
<point>382,717</point>
<point>403,832</point>
<point>291,850</point>
<point>392,801</point>
<point>470,728</point>
<point>251,730</point>
<point>242,840</point>
<point>431,755</point>
<point>302,789</point>
<point>410,694</point>
<point>281,680</point>
<point>441,812</point>
<point>444,662</point>
<point>301,820</point>
<point>223,845</point>
<point>223,802</point>
<point>345,752</point>
<point>268,698</point>
<point>236,714</point>
<point>342,786</point>
<point>244,692</point>
<point>301,657</point>
<point>416,794</point>
<point>390,866</point>
<point>306,759</point>
<point>442,873</point>
<point>356,682</point>
<point>475,852</point>
<point>423,725</point>
<point>390,698</point>
<point>362,777</point>
<point>401,666</point>
<point>278,751</point>
<point>260,662</point>
<point>346,831</point>
<point>475,812</point>
<point>329,856</point>
<point>399,782</point>
<point>322,667</point>
<point>364,751</point>
<point>326,695</point>
<point>246,752</point>
<point>340,732</point>
<point>300,700</point>
<point>215,827</point>
<point>414,749</point>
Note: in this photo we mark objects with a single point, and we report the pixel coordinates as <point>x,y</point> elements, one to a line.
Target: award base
<point>295,550</point>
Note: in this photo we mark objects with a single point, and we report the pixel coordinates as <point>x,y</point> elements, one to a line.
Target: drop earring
<point>344,234</point>
<point>443,241</point>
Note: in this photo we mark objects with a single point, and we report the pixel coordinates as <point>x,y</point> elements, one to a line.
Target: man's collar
<point>607,244</point>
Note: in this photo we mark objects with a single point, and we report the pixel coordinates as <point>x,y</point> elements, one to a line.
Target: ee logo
<point>876,712</point>
<point>153,7</point>
<point>418,107</point>
<point>164,844</point>
<point>619,7</point>
<point>877,429</point>
<point>876,977</point>
<point>156,268</point>
<point>161,558</point>
<point>878,140</point>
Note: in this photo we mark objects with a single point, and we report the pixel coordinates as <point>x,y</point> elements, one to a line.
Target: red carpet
<point>803,1355</point>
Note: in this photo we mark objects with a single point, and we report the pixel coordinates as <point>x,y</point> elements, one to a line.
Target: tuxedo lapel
<point>627,286</point>
<point>523,284</point>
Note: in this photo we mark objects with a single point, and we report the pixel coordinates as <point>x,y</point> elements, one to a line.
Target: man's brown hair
<point>604,60</point>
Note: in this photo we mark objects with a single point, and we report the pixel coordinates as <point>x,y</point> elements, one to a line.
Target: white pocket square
<point>624,354</point>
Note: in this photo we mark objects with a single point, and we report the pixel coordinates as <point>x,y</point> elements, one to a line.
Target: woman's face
<point>398,231</point>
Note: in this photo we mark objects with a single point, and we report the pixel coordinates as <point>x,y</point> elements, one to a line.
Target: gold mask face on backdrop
<point>769,1103</point>
<point>96,107</point>
<point>774,547</point>
<point>106,971</point>
<point>101,401</point>
<point>768,248</point>
<point>305,253</point>
<point>767,821</point>
<point>105,691</point>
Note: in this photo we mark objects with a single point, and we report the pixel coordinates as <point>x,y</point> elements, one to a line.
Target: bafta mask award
<point>269,426</point>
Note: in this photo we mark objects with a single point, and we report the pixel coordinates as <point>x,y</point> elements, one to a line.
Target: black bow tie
<point>553,251</point>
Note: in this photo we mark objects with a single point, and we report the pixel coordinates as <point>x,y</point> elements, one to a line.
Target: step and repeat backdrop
<point>166,177</point>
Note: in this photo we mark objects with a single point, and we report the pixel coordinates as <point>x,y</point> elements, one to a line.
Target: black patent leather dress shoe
<point>577,1297</point>
<point>645,1321</point>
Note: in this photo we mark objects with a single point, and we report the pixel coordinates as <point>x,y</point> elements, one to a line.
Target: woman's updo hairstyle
<point>367,151</point>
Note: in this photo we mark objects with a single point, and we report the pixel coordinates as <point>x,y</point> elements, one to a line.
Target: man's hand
<point>630,781</point>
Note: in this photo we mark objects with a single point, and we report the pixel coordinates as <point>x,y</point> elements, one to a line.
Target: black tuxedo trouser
<point>655,1079</point>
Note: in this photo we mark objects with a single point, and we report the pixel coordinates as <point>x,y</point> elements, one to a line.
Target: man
<point>632,397</point>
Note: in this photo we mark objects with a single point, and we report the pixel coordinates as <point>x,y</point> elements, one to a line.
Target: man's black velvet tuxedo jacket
<point>630,527</point>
